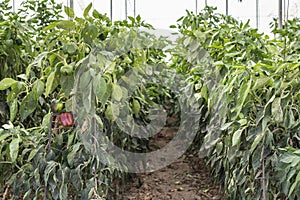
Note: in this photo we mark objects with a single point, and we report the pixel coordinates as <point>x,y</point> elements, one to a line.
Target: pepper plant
<point>250,97</point>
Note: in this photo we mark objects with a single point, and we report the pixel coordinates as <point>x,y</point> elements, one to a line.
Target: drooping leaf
<point>277,112</point>
<point>32,154</point>
<point>243,93</point>
<point>51,83</point>
<point>296,183</point>
<point>88,99</point>
<point>256,141</point>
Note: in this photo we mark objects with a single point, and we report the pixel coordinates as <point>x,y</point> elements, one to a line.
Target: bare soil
<point>185,179</point>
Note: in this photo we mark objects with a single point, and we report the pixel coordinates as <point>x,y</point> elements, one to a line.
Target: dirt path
<point>185,179</point>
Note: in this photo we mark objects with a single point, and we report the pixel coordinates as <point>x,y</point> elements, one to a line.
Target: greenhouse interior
<point>150,100</point>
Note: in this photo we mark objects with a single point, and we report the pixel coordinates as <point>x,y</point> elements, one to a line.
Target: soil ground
<point>185,179</point>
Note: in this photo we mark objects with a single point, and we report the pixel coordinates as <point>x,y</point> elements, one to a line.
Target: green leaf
<point>236,138</point>
<point>32,154</point>
<point>4,136</point>
<point>88,99</point>
<point>72,154</point>
<point>256,142</point>
<point>51,84</point>
<point>117,92</point>
<point>85,80</point>
<point>289,119</point>
<point>69,11</point>
<point>67,84</point>
<point>14,149</point>
<point>261,82</point>
<point>277,110</point>
<point>38,87</point>
<point>46,121</point>
<point>71,137</point>
<point>99,85</point>
<point>136,107</point>
<point>87,10</point>
<point>63,192</point>
<point>70,48</point>
<point>49,168</point>
<point>99,121</point>
<point>28,105</point>
<point>297,181</point>
<point>66,24</point>
<point>6,83</point>
<point>109,88</point>
<point>96,14</point>
<point>13,108</point>
<point>112,112</point>
<point>226,126</point>
<point>50,26</point>
<point>243,93</point>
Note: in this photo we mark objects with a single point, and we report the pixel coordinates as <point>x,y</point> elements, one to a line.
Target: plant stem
<point>263,176</point>
<point>48,149</point>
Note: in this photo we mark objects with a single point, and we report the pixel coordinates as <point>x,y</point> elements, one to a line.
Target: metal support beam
<point>257,13</point>
<point>14,6</point>
<point>280,14</point>
<point>134,8</point>
<point>72,4</point>
<point>226,7</point>
<point>111,9</point>
<point>196,5</point>
<point>126,9</point>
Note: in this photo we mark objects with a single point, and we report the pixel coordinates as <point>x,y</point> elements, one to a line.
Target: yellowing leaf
<point>136,107</point>
<point>6,83</point>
